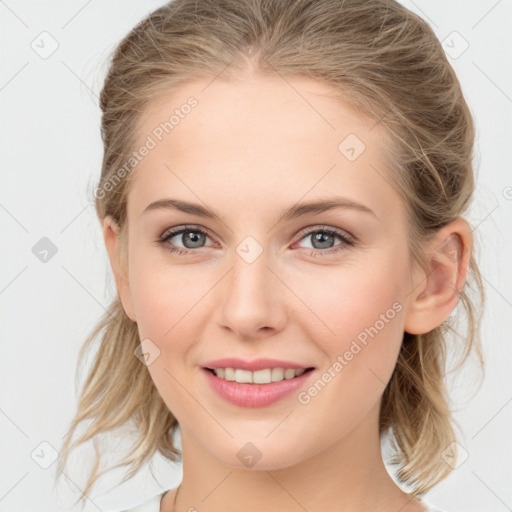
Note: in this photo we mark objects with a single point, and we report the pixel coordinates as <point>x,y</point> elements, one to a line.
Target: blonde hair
<point>385,61</point>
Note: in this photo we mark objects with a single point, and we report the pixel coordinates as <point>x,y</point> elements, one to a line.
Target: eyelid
<point>301,234</point>
<point>319,227</point>
<point>178,230</point>
<point>348,240</point>
<point>182,227</point>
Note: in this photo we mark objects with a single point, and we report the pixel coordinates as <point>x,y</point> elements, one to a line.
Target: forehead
<point>259,138</point>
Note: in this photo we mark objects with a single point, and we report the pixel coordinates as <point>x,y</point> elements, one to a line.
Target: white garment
<point>153,505</point>
<point>150,505</point>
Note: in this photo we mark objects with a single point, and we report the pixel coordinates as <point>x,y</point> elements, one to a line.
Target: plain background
<point>51,158</point>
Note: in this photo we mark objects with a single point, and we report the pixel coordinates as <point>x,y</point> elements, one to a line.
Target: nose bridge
<point>252,297</point>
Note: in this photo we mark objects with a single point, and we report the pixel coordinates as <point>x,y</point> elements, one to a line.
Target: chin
<point>261,454</point>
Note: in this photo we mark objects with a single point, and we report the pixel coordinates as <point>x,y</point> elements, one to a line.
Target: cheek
<point>360,335</point>
<point>154,292</point>
<point>356,311</point>
<point>168,309</point>
<point>164,295</point>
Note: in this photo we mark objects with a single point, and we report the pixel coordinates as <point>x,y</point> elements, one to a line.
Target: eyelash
<point>347,241</point>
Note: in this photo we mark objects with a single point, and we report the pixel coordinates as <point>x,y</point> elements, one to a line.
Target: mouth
<point>263,376</point>
<point>259,388</point>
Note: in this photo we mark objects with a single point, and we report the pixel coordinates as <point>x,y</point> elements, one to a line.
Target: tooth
<point>262,376</point>
<point>289,373</point>
<point>277,374</point>
<point>265,376</point>
<point>229,373</point>
<point>243,376</point>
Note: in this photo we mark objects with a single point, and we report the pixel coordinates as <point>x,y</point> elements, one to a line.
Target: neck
<point>349,475</point>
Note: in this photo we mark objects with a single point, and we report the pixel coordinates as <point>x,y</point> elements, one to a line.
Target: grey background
<point>51,157</point>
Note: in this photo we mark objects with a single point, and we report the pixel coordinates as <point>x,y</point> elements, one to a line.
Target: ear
<point>113,243</point>
<point>437,289</point>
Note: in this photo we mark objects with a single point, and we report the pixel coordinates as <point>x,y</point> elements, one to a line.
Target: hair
<point>385,61</point>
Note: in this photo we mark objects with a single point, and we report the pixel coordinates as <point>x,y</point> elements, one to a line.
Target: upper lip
<point>254,365</point>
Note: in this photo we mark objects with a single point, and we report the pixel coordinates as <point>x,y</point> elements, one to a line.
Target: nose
<point>252,299</point>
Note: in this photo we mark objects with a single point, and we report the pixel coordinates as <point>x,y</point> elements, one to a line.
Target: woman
<point>282,200</point>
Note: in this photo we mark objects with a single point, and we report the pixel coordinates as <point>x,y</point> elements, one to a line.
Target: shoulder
<point>150,505</point>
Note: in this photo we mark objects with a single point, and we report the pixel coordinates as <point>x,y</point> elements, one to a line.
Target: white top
<point>153,505</point>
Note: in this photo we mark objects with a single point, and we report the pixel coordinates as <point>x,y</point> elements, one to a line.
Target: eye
<point>322,241</point>
<point>192,238</point>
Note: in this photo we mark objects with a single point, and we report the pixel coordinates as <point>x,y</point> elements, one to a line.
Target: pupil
<point>194,238</point>
<point>321,239</point>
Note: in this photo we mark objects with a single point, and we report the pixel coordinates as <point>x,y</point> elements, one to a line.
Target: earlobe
<point>112,238</point>
<point>438,289</point>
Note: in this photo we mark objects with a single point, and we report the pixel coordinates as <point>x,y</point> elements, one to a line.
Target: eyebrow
<point>293,212</point>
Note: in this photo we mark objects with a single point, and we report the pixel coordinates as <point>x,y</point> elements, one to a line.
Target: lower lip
<point>255,395</point>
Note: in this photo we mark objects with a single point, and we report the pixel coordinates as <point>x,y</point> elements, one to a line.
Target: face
<point>324,288</point>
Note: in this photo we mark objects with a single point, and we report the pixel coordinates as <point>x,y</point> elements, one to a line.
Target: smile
<point>246,388</point>
<point>265,376</point>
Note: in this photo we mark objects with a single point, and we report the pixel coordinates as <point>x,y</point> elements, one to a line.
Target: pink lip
<point>254,395</point>
<point>254,365</point>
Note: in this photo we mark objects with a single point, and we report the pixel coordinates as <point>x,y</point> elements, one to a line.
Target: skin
<point>252,147</point>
